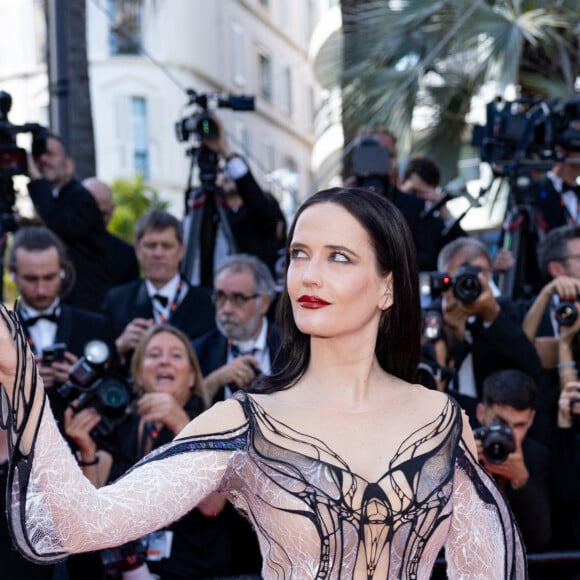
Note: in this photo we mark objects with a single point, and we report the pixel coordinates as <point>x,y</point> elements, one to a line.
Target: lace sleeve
<point>484,541</point>
<point>54,510</point>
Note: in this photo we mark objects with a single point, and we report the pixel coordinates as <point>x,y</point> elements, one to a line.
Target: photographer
<point>566,443</point>
<point>509,399</point>
<point>245,343</point>
<point>375,167</point>
<point>485,333</point>
<point>167,376</point>
<point>70,211</point>
<point>42,274</point>
<point>558,203</point>
<point>559,263</point>
<point>252,216</point>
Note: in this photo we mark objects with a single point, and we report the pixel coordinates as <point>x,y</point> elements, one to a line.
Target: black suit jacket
<point>427,230</point>
<point>195,315</point>
<point>503,345</point>
<point>122,264</point>
<point>212,352</point>
<point>75,217</point>
<point>254,223</point>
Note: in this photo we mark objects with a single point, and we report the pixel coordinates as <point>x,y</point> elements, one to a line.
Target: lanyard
<point>172,307</point>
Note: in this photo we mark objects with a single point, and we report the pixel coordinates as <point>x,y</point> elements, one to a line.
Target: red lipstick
<point>312,302</point>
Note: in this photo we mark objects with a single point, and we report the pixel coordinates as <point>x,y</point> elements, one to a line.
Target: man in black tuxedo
<point>41,272</point>
<point>122,264</point>
<point>485,334</point>
<point>245,344</point>
<point>70,211</point>
<point>163,296</point>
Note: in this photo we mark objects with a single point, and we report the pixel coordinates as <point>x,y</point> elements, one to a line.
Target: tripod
<point>523,228</point>
<point>205,216</point>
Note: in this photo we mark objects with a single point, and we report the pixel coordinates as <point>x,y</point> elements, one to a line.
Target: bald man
<point>122,263</point>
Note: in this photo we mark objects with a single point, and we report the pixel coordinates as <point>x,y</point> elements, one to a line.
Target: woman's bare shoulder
<point>220,418</point>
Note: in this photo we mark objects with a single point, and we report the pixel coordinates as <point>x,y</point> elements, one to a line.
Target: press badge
<point>159,545</point>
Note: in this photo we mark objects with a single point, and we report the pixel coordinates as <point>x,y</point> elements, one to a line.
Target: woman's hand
<point>162,408</point>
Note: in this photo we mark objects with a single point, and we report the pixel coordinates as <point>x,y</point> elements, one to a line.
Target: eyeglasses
<point>571,257</point>
<point>236,299</point>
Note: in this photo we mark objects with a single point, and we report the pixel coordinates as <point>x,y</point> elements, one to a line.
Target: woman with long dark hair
<point>345,468</point>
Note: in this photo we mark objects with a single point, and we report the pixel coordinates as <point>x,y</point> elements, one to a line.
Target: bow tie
<point>236,352</point>
<point>50,316</point>
<point>163,300</point>
<point>574,188</point>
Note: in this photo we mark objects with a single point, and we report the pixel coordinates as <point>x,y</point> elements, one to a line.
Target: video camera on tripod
<point>530,132</point>
<point>13,159</point>
<point>201,124</point>
<point>204,205</point>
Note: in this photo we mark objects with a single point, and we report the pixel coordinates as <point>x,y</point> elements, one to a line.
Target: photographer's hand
<point>33,171</point>
<point>570,392</point>
<point>240,372</point>
<point>132,334</point>
<point>162,408</point>
<point>513,469</point>
<point>78,427</point>
<point>61,369</point>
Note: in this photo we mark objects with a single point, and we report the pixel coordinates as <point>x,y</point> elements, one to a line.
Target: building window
<point>311,20</point>
<point>287,104</point>
<point>125,32</point>
<point>269,155</point>
<point>238,55</point>
<point>265,76</point>
<point>140,137</point>
<point>241,138</point>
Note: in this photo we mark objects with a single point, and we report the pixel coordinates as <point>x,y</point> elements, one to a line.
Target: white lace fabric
<point>314,517</point>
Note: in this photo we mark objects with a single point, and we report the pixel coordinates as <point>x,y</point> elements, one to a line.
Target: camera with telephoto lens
<point>566,313</point>
<point>465,284</point>
<point>91,386</point>
<point>14,159</point>
<point>497,440</point>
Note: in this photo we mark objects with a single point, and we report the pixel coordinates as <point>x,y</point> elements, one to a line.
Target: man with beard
<point>245,343</point>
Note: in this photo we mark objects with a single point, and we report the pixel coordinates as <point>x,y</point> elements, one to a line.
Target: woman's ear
<point>387,299</point>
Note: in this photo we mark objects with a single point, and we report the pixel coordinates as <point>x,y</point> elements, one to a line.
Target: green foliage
<point>414,59</point>
<point>132,200</point>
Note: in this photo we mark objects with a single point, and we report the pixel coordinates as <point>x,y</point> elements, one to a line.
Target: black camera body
<point>200,122</point>
<point>90,384</point>
<point>53,353</point>
<point>465,284</point>
<point>497,440</point>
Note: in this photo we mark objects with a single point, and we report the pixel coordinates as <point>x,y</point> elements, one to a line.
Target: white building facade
<point>144,54</point>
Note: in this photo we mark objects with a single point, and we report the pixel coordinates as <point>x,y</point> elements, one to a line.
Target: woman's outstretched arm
<point>54,510</point>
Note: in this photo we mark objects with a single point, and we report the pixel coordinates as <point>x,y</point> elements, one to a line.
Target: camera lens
<point>113,395</point>
<point>467,288</point>
<point>566,313</point>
